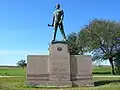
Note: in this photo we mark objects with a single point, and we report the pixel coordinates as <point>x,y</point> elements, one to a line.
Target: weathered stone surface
<point>59,62</point>
<point>37,64</point>
<point>38,77</point>
<point>37,68</point>
<point>60,83</point>
<point>81,64</point>
<point>81,70</point>
<point>59,68</point>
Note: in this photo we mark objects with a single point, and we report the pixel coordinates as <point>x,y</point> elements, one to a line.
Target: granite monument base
<point>59,68</point>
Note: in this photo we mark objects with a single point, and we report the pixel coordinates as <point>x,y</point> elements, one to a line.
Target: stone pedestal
<point>59,64</point>
<point>59,68</point>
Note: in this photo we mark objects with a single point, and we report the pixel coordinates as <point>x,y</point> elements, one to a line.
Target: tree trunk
<point>111,62</point>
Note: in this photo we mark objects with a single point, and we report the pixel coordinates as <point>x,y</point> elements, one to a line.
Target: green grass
<point>102,70</point>
<point>13,83</point>
<point>18,83</point>
<point>12,71</point>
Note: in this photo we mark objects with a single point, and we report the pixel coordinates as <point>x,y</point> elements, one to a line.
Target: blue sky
<point>23,23</point>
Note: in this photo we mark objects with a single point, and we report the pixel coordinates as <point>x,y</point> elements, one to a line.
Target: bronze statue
<point>58,16</point>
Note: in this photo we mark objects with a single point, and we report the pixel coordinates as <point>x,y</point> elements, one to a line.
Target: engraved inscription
<point>60,67</point>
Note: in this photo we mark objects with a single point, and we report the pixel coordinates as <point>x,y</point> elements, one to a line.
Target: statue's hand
<point>52,25</point>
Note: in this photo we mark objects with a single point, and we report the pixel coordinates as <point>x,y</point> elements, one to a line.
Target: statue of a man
<point>58,16</point>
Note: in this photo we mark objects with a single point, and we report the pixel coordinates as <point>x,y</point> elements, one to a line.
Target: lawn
<point>13,83</point>
<point>12,71</point>
<point>102,70</point>
<point>18,83</point>
<point>17,71</point>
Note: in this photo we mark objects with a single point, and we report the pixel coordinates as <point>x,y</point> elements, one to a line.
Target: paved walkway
<point>11,76</point>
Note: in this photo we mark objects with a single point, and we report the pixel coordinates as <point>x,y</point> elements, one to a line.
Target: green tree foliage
<point>72,41</point>
<point>76,44</point>
<point>21,63</point>
<point>74,47</point>
<point>101,37</point>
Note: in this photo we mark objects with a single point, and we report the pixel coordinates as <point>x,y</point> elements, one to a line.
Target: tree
<point>117,62</point>
<point>101,38</point>
<point>72,42</point>
<point>21,63</point>
<point>77,43</point>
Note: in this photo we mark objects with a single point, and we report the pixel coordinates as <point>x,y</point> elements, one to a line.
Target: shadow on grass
<point>99,83</point>
<point>103,73</point>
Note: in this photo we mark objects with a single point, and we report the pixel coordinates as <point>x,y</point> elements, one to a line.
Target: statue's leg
<point>55,31</point>
<point>62,31</point>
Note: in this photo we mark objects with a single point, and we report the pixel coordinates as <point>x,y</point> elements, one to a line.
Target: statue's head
<point>57,6</point>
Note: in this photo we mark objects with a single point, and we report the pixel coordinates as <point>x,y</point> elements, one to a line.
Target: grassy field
<point>102,70</point>
<point>12,71</point>
<point>18,83</point>
<point>17,71</point>
<point>13,83</point>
